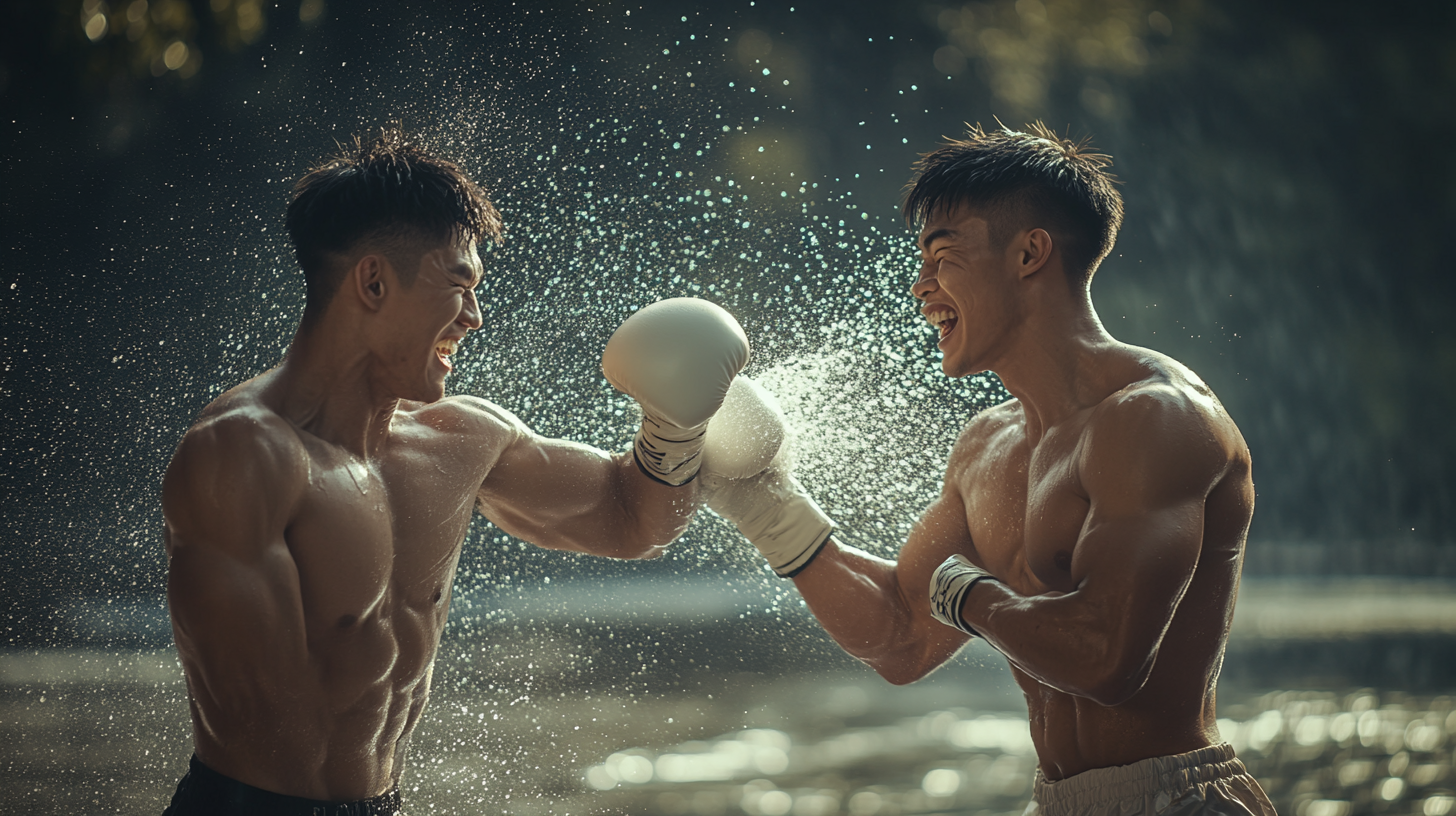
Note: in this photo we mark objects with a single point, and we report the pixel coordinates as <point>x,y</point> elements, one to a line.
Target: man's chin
<point>955,369</point>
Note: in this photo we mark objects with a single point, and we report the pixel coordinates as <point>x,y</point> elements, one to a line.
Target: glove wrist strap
<point>806,557</point>
<point>666,453</point>
<point>792,535</point>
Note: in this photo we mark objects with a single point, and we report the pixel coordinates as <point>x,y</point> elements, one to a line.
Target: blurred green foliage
<point>1289,196</point>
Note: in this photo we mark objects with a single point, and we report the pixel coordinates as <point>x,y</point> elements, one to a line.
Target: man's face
<point>967,288</point>
<point>421,324</point>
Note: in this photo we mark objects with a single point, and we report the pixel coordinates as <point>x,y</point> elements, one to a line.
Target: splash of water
<point>654,172</point>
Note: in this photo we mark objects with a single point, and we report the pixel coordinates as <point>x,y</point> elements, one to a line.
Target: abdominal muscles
<point>375,676</point>
<point>335,734</point>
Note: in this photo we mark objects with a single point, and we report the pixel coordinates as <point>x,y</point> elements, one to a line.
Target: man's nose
<point>925,284</point>
<point>470,313</point>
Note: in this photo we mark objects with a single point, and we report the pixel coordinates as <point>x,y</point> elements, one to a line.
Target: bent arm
<point>1148,471</point>
<point>232,585</point>
<point>1099,641</point>
<point>879,610</point>
<point>564,495</point>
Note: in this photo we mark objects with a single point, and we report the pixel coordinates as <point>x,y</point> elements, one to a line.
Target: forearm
<point>857,598</point>
<point>1065,641</point>
<point>654,514</point>
<point>623,514</point>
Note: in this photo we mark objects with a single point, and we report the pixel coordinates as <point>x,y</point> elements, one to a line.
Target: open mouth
<point>443,350</point>
<point>944,321</point>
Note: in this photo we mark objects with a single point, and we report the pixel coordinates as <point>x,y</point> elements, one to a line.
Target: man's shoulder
<point>242,429</point>
<point>1168,397</point>
<point>1169,414</point>
<point>237,444</point>
<point>467,414</point>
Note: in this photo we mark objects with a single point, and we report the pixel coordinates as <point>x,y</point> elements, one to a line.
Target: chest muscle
<point>1025,511</point>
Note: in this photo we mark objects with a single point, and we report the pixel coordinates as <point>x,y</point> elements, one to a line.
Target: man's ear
<point>369,281</point>
<point>1033,251</point>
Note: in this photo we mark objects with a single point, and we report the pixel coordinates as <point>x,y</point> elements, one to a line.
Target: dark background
<point>1287,171</point>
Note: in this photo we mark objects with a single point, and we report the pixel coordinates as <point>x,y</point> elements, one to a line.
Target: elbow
<point>630,549</point>
<point>1110,695</point>
<point>1119,685</point>
<point>647,544</point>
<point>897,676</point>
<point>900,670</point>
<point>646,539</point>
<point>643,544</point>
<point>628,541</point>
<point>639,553</point>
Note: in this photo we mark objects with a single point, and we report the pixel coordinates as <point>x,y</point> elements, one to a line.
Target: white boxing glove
<point>746,433</point>
<point>769,507</point>
<point>677,358</point>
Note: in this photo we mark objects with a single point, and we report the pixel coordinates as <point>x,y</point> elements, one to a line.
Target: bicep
<point>241,608</point>
<point>1138,565</point>
<point>941,532</point>
<point>1148,479</point>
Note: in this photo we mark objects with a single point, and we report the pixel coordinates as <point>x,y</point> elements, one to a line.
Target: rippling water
<point>716,698</point>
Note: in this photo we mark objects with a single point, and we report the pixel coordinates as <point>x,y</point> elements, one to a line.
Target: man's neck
<point>1056,366</point>
<point>326,386</point>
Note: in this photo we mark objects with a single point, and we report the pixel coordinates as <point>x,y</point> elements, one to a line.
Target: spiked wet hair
<point>387,191</point>
<point>1020,181</point>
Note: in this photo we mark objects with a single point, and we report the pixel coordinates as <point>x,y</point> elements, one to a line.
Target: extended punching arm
<point>749,481</point>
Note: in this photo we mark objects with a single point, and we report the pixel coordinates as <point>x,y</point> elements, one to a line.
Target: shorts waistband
<point>1178,772</point>
<point>241,797</point>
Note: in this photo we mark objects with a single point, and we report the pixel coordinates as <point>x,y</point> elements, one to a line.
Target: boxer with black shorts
<point>315,513</point>
<point>1091,528</point>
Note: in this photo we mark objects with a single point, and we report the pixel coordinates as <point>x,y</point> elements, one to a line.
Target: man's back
<point>1028,499</point>
<point>309,588</point>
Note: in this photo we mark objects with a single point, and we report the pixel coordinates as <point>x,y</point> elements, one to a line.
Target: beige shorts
<point>1206,782</point>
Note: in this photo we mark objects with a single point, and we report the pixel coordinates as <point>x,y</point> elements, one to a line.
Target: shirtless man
<point>315,514</point>
<point>1091,528</point>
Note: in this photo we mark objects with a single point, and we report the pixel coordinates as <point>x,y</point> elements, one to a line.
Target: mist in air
<point>1286,195</point>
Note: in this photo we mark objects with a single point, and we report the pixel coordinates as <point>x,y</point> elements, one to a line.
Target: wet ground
<point>758,715</point>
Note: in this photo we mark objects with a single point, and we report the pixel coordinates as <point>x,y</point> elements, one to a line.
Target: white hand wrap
<point>677,358</point>
<point>747,480</point>
<point>949,585</point>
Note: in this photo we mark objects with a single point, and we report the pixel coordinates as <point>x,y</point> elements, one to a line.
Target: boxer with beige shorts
<point>1091,528</point>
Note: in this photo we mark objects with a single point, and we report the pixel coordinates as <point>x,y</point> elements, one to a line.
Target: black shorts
<point>204,791</point>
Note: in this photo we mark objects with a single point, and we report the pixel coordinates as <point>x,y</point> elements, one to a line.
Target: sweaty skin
<point>315,516</point>
<point>1111,497</point>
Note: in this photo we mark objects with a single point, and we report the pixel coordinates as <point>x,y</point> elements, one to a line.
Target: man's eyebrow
<point>466,272</point>
<point>943,232</point>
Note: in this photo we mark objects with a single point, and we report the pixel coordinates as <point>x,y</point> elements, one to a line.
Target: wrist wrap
<point>666,453</point>
<point>949,585</point>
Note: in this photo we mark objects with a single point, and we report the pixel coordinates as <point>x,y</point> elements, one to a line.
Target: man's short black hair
<point>1022,181</point>
<point>390,192</point>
